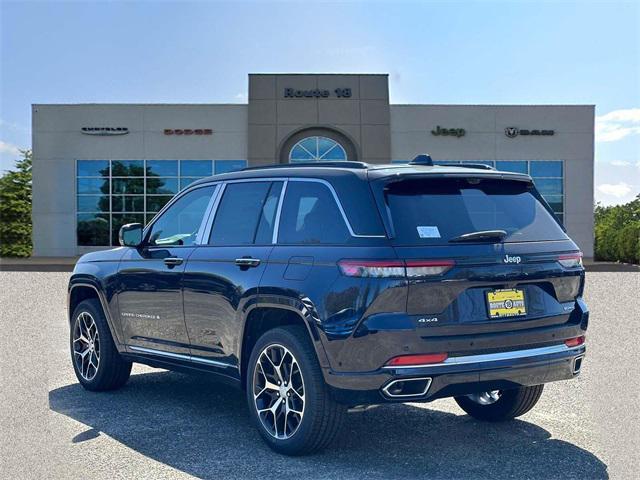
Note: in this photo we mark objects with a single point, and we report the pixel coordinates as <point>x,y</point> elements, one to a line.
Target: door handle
<point>247,262</point>
<point>173,261</point>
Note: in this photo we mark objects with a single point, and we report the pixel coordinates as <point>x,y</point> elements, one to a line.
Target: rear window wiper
<point>481,235</point>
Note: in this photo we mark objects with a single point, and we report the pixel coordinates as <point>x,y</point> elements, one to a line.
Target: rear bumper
<point>458,376</point>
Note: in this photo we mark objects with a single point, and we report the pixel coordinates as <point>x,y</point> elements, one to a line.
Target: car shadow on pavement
<point>202,428</point>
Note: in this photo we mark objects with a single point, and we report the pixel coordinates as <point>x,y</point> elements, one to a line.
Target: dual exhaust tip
<point>407,387</point>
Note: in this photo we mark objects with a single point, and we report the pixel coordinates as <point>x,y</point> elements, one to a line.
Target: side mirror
<point>130,235</point>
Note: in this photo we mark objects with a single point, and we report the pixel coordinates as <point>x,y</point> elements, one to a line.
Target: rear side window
<point>246,214</point>
<point>310,215</point>
<point>434,211</point>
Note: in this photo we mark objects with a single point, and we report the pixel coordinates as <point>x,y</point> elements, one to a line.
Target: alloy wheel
<point>278,391</point>
<point>486,398</point>
<point>86,346</point>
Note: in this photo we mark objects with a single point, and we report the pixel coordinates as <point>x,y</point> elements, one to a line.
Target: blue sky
<point>434,52</point>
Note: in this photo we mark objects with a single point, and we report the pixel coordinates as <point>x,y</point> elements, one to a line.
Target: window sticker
<point>428,232</point>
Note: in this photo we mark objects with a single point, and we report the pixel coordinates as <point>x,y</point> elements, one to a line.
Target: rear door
<point>493,282</point>
<point>150,278</point>
<point>221,278</point>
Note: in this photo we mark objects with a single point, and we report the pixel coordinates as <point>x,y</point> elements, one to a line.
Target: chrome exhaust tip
<point>407,387</point>
<point>577,364</point>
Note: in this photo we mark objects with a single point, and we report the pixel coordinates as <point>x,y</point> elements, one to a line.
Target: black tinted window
<point>246,214</point>
<point>310,215</point>
<point>434,211</point>
<point>179,224</point>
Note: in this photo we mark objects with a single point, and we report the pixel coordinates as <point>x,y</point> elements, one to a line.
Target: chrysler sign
<point>104,131</point>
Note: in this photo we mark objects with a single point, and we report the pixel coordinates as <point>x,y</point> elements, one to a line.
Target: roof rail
<point>480,166</point>
<point>347,164</point>
<point>422,159</point>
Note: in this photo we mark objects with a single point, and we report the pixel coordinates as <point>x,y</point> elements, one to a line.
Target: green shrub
<point>15,209</point>
<point>617,232</point>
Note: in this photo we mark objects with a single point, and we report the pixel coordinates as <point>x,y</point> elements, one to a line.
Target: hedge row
<point>617,232</point>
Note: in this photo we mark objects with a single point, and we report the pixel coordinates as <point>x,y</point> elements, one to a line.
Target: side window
<point>179,224</point>
<point>310,215</point>
<point>246,214</point>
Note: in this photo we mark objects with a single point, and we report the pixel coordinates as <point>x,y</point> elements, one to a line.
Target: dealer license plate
<point>506,303</point>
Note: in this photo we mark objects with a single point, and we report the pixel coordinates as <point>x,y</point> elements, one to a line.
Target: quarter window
<point>246,214</point>
<point>180,223</point>
<point>310,215</point>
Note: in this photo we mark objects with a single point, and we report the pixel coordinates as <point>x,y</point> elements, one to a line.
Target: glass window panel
<point>337,153</point>
<point>156,202</point>
<point>162,168</point>
<point>445,162</point>
<point>126,185</point>
<point>264,234</point>
<point>546,169</point>
<point>93,229</point>
<point>310,216</point>
<point>149,217</point>
<point>224,166</point>
<point>324,145</point>
<point>93,203</point>
<point>240,210</point>
<point>400,161</point>
<point>549,186</point>
<point>195,168</point>
<point>299,154</point>
<point>560,217</point>
<point>555,202</point>
<point>92,168</point>
<point>185,182</point>
<point>179,224</point>
<point>310,144</point>
<point>127,168</point>
<point>119,219</point>
<point>127,203</point>
<point>162,186</point>
<point>92,185</point>
<point>512,166</point>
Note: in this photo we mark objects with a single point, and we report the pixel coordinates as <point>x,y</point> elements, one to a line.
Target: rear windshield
<point>434,211</point>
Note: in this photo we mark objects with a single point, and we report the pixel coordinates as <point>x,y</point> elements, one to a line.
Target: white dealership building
<point>98,166</point>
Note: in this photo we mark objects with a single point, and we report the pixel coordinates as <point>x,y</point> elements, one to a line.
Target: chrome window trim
<point>180,356</point>
<point>206,232</point>
<point>205,217</point>
<point>276,222</point>
<point>493,357</point>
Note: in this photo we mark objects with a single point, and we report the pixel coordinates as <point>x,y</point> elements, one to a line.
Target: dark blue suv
<point>322,287</point>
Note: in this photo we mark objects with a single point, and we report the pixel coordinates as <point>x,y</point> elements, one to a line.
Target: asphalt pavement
<point>169,425</point>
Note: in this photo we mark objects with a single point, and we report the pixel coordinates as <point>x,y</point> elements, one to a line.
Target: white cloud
<point>618,124</point>
<point>617,190</point>
<point>620,163</point>
<point>8,149</point>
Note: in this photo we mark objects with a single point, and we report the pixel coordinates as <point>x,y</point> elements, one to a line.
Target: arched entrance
<point>317,145</point>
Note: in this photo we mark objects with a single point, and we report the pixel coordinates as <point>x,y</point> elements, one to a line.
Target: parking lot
<point>170,425</point>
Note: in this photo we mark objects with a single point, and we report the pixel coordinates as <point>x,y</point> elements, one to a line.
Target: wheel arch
<point>84,289</point>
<point>263,317</point>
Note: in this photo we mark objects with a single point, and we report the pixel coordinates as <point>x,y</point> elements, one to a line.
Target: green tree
<point>617,232</point>
<point>15,209</point>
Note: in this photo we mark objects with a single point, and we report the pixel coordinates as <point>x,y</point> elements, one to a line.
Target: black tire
<point>112,370</point>
<point>512,403</point>
<point>322,416</point>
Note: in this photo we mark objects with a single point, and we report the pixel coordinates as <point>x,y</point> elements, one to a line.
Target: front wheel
<point>288,398</point>
<point>498,405</point>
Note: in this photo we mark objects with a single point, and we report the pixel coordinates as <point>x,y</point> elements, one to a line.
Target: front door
<point>150,277</point>
<point>221,279</point>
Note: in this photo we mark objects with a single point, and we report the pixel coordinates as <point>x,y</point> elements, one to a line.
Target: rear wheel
<point>498,405</point>
<point>288,399</point>
<point>96,361</point>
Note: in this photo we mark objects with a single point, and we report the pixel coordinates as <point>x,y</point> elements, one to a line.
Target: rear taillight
<point>571,260</point>
<point>574,342</point>
<point>394,268</point>
<point>424,359</point>
<point>368,268</point>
